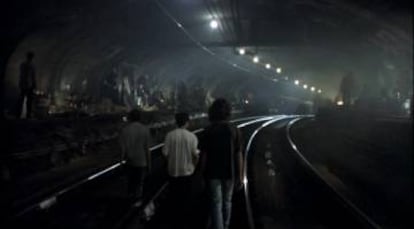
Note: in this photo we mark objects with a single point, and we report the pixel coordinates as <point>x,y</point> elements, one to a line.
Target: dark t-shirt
<point>27,76</point>
<point>220,142</point>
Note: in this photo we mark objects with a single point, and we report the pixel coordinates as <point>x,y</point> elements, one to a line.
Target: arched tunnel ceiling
<point>315,41</point>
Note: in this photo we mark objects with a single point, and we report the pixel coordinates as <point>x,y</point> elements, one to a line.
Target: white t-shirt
<point>180,148</point>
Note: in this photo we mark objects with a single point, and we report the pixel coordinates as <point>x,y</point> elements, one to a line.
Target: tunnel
<point>317,68</point>
<point>117,44</point>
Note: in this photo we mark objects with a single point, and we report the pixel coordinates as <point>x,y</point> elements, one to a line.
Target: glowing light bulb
<point>213,24</point>
<point>279,70</point>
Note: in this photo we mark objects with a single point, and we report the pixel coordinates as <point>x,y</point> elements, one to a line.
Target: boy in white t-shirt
<point>180,149</point>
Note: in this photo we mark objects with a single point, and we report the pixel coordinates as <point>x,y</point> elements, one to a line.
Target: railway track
<point>49,208</point>
<point>89,168</point>
<point>282,189</point>
<point>128,220</point>
<point>246,174</point>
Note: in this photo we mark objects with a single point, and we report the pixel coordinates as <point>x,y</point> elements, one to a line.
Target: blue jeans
<point>221,192</point>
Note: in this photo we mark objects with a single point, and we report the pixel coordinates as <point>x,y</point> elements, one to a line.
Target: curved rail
<point>245,179</point>
<point>52,198</point>
<point>346,202</point>
<point>249,121</point>
<point>256,119</point>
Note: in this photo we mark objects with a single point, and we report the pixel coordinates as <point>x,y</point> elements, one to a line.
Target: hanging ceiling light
<point>279,70</point>
<point>214,24</point>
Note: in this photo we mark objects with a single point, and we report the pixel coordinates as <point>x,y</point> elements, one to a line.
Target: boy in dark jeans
<point>221,158</point>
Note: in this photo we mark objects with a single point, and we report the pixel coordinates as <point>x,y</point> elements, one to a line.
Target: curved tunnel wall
<point>87,45</point>
<point>60,62</point>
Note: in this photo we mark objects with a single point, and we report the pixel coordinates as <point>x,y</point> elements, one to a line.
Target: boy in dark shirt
<point>222,161</point>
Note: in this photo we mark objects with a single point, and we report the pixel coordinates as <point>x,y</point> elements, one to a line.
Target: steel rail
<point>52,198</point>
<point>260,119</point>
<point>345,201</point>
<point>251,120</point>
<point>64,146</point>
<point>249,210</point>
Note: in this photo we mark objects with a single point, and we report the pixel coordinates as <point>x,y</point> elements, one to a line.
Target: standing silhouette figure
<point>27,85</point>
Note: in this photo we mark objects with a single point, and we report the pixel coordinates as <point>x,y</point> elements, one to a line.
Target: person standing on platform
<point>27,85</point>
<point>222,162</point>
<point>134,141</point>
<point>180,149</point>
